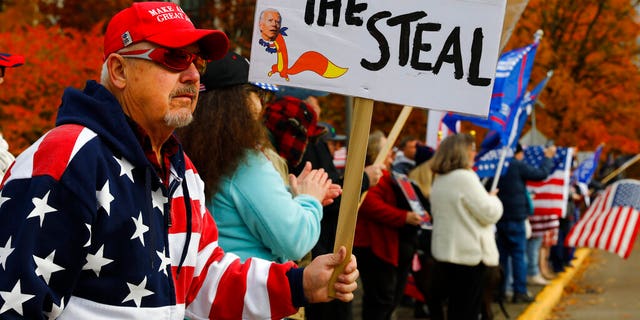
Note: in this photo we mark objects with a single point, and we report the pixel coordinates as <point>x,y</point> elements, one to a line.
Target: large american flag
<point>550,196</point>
<point>611,222</point>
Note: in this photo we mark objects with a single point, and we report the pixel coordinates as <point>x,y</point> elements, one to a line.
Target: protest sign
<point>439,54</point>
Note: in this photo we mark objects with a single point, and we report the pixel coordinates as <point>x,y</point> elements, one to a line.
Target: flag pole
<point>623,167</point>
<point>536,38</point>
<point>496,177</point>
<point>391,140</point>
<point>393,134</point>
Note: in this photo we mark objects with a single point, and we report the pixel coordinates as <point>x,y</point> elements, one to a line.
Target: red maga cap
<point>162,23</point>
<point>11,60</point>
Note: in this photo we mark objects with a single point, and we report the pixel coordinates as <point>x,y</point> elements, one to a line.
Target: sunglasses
<point>172,59</point>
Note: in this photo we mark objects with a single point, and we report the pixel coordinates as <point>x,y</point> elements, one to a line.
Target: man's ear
<point>116,68</point>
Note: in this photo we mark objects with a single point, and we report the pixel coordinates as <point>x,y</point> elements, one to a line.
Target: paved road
<point>608,287</point>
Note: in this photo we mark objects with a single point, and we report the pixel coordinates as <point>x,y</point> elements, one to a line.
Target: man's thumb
<point>338,257</point>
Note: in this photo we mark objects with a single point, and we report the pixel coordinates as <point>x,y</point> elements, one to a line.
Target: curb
<point>551,294</point>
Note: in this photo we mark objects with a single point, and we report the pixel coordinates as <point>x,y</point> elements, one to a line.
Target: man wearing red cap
<point>9,61</point>
<point>104,217</point>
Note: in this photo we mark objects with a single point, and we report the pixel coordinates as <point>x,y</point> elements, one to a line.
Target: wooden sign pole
<point>623,167</point>
<point>393,135</point>
<point>512,15</point>
<point>349,205</point>
<point>357,150</point>
<point>391,141</point>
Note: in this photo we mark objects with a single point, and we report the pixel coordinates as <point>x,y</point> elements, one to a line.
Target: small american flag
<point>550,195</point>
<point>340,158</point>
<point>611,222</point>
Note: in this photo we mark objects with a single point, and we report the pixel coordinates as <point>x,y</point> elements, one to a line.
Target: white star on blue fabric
<point>164,261</point>
<point>45,267</point>
<point>41,208</point>
<point>14,299</point>
<point>126,168</point>
<point>3,199</point>
<point>137,292</point>
<point>56,310</point>
<point>89,240</point>
<point>140,228</point>
<point>158,199</point>
<point>105,198</point>
<point>96,261</point>
<point>4,253</point>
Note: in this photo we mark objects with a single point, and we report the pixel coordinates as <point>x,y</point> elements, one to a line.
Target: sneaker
<point>537,280</point>
<point>522,298</point>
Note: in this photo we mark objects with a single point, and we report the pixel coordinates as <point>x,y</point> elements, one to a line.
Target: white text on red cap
<point>168,13</point>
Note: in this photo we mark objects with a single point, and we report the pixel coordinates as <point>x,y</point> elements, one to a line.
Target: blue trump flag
<point>492,147</point>
<point>584,173</point>
<point>512,77</point>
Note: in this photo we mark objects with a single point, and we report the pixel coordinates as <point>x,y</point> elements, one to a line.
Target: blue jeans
<point>511,239</point>
<point>533,255</point>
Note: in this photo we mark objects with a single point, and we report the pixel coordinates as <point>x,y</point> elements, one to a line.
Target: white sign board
<point>436,54</point>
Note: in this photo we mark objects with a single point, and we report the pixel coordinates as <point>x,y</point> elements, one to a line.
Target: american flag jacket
<point>88,231</point>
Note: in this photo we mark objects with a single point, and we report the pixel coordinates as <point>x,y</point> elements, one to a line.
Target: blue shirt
<point>257,216</point>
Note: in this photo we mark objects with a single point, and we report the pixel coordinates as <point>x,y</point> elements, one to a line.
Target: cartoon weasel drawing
<point>308,61</point>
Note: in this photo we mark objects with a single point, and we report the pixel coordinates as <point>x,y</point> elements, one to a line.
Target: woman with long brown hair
<point>256,214</point>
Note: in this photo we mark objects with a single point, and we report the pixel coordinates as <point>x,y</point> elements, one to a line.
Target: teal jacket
<point>257,216</point>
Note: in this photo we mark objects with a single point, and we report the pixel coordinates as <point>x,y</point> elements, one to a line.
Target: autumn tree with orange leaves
<point>594,94</point>
<point>55,59</point>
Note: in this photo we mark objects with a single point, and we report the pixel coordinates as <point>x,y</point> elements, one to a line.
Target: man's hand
<point>316,276</point>
<point>550,151</point>
<point>374,172</point>
<point>413,218</point>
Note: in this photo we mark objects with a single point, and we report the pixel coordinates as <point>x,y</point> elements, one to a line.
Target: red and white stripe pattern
<point>611,222</point>
<point>550,196</point>
<point>340,158</point>
<point>61,144</point>
<point>541,224</point>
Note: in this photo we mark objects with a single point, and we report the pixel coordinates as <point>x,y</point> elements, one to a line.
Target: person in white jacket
<point>463,242</point>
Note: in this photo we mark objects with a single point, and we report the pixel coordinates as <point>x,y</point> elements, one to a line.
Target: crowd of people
<point>106,217</point>
<point>175,188</point>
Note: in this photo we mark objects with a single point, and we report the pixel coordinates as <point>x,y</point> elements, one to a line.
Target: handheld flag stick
<point>391,140</point>
<point>362,112</point>
<point>393,134</point>
<point>503,156</point>
<point>623,167</point>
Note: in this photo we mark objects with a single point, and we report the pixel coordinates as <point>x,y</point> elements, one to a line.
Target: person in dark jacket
<point>511,235</point>
<point>385,239</point>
